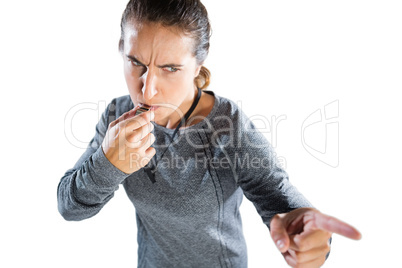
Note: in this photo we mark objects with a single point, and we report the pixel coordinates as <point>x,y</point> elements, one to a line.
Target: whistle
<point>141,110</point>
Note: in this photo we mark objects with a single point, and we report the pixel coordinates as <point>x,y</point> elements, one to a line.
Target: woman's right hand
<point>128,139</point>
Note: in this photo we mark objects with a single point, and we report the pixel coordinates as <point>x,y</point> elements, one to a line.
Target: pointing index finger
<point>334,225</point>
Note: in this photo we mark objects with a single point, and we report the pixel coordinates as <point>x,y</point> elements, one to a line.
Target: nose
<point>149,83</point>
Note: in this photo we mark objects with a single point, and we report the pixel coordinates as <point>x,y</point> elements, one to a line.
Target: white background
<point>272,57</point>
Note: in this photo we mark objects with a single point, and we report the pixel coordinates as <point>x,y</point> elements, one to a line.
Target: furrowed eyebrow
<point>159,66</point>
<point>170,65</point>
<point>134,59</point>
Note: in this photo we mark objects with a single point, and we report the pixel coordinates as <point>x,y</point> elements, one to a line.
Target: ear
<point>197,71</point>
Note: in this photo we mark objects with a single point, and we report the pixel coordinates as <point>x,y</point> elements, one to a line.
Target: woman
<point>187,161</point>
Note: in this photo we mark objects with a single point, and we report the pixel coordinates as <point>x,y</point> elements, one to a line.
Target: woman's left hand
<point>303,234</point>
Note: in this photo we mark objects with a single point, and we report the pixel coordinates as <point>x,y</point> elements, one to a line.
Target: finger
<point>148,141</point>
<point>309,239</point>
<point>143,143</point>
<point>307,256</point>
<point>335,225</point>
<point>279,234</point>
<point>139,158</point>
<point>289,259</point>
<point>310,264</point>
<point>139,133</point>
<point>124,116</point>
<point>150,152</point>
<point>148,155</point>
<point>137,121</point>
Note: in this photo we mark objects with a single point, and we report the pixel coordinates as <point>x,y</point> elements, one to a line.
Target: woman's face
<point>159,69</point>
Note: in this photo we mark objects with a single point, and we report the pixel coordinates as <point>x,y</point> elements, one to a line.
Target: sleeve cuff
<point>107,175</point>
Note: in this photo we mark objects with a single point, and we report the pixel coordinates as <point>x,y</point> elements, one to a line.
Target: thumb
<point>279,234</point>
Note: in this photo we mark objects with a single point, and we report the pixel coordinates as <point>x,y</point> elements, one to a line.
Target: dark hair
<point>189,16</point>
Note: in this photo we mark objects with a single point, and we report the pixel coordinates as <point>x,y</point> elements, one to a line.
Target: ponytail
<point>203,79</point>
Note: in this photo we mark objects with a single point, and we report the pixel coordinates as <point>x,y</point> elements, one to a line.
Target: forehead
<point>151,39</point>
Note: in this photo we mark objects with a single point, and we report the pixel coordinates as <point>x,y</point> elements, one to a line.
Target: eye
<point>171,69</point>
<point>135,63</point>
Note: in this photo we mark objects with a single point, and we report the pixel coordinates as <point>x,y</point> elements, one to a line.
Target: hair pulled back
<point>189,16</point>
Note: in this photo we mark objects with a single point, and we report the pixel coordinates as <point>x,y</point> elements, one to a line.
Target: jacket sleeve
<point>264,182</point>
<point>91,183</point>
